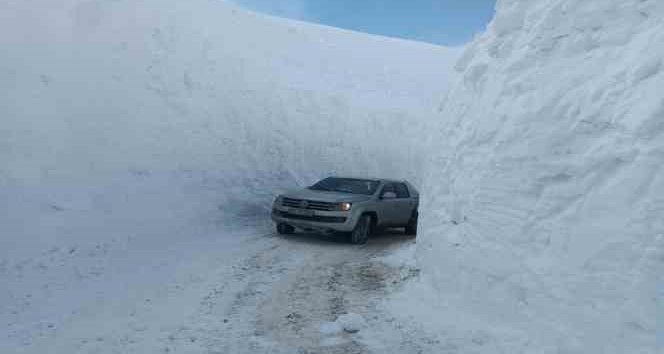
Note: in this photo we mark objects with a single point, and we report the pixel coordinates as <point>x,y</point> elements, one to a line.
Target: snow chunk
<point>351,322</point>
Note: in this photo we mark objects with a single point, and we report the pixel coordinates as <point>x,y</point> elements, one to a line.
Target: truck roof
<point>374,179</point>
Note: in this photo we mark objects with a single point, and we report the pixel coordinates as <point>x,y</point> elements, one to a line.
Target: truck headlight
<point>279,200</point>
<point>345,206</point>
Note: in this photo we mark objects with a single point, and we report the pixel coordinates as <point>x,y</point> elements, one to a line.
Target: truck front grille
<point>308,204</point>
<point>316,218</point>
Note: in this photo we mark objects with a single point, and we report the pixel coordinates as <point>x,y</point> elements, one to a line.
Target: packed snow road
<point>304,293</point>
<point>250,291</point>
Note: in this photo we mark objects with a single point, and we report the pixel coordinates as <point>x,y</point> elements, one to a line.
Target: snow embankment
<point>544,219</point>
<point>157,118</point>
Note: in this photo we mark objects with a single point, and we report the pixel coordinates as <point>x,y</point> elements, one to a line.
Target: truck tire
<point>360,233</point>
<point>285,229</point>
<point>411,227</point>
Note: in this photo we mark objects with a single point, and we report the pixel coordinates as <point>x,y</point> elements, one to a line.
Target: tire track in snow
<point>278,300</point>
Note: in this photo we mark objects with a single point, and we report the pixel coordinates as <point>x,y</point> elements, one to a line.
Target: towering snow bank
<point>545,212</point>
<point>154,118</point>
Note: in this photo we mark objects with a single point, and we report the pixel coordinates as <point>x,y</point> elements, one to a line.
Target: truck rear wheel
<point>411,227</point>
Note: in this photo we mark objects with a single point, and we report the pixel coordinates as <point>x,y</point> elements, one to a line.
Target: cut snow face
<point>544,203</point>
<point>156,119</point>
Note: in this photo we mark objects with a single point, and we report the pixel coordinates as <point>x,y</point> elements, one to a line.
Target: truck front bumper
<point>323,221</point>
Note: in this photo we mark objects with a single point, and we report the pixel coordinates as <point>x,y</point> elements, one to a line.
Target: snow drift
<point>545,213</point>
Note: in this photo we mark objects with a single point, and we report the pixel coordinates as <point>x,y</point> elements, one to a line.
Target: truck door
<point>387,211</point>
<point>404,204</point>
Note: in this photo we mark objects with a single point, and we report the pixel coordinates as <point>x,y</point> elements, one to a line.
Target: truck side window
<point>389,187</point>
<point>402,191</point>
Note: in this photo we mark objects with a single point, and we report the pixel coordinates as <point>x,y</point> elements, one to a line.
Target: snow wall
<point>174,119</point>
<point>544,218</point>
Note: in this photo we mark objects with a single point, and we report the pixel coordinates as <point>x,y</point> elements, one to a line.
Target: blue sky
<point>446,22</point>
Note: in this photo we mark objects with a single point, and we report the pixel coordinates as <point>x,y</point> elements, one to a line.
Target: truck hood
<point>322,196</point>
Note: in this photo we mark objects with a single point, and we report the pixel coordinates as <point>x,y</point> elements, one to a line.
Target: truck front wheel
<point>285,229</point>
<point>360,233</point>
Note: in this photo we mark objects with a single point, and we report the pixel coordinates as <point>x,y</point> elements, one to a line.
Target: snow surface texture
<point>544,219</point>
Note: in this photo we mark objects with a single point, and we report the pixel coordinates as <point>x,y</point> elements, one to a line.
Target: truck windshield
<point>346,185</point>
